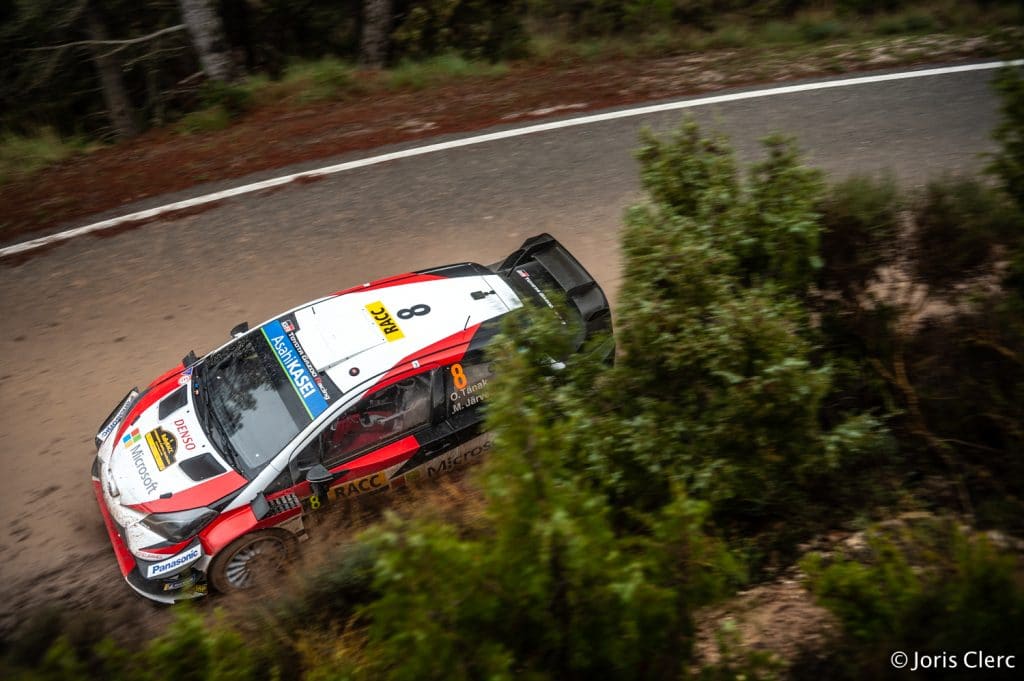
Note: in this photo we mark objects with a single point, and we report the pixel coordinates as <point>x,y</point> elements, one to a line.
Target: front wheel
<point>252,559</point>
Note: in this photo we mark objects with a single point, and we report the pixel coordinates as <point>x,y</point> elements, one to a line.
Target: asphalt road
<point>91,318</point>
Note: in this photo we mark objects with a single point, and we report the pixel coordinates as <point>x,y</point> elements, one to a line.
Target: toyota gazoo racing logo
<point>175,563</point>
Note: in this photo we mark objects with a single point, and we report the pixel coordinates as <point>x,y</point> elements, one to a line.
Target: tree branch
<point>121,43</point>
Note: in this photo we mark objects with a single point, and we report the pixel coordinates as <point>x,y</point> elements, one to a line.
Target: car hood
<point>162,460</point>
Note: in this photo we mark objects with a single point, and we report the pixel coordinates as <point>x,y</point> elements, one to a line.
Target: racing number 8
<point>415,311</point>
<point>459,377</point>
<point>314,502</point>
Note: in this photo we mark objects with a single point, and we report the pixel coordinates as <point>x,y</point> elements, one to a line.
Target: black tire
<point>252,559</point>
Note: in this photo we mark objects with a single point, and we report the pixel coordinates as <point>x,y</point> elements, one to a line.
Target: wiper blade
<point>209,416</point>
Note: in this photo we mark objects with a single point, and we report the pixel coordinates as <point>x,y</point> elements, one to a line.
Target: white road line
<point>489,137</point>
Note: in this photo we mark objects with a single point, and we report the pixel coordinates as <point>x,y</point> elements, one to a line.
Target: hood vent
<point>201,467</point>
<point>173,402</point>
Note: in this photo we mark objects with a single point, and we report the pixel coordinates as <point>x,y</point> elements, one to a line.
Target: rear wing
<point>579,287</point>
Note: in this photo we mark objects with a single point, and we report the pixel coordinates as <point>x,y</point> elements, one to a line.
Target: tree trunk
<point>207,33</point>
<point>115,96</point>
<point>376,39</point>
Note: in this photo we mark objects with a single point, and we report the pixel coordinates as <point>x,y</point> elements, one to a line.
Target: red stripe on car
<point>398,280</point>
<point>203,494</point>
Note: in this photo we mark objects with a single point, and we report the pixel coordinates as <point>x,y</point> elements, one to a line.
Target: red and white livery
<point>208,475</point>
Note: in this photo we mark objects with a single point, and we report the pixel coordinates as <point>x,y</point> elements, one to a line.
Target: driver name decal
<point>291,360</point>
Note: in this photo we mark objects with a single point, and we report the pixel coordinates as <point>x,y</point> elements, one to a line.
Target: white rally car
<point>208,475</point>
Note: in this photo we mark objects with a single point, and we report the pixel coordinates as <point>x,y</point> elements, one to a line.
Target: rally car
<point>209,476</point>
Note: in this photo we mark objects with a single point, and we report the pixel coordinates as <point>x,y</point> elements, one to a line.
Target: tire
<point>252,559</point>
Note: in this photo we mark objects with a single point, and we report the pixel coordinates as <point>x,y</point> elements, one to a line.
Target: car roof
<point>392,325</point>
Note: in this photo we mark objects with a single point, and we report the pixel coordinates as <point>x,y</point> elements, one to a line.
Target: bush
<point>478,29</point>
<point>233,98</point>
<point>1008,163</point>
<point>726,387</point>
<point>204,120</point>
<point>326,79</point>
<point>929,587</point>
<point>958,223</point>
<point>440,69</point>
<point>860,223</point>
<point>22,155</point>
<point>827,29</point>
<point>549,587</point>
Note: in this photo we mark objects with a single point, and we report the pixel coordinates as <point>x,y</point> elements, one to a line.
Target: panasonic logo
<point>172,564</point>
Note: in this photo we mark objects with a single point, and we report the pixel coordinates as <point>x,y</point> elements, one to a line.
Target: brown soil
<point>163,161</point>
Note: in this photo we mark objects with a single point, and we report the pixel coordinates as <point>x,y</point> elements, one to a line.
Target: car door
<point>458,438</point>
<point>363,448</point>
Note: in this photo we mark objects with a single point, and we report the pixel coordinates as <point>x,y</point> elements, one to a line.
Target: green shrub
<point>1008,164</point>
<point>827,29</point>
<point>478,29</point>
<point>549,587</point>
<point>233,98</point>
<point>860,223</point>
<point>914,22</point>
<point>204,120</point>
<point>726,386</point>
<point>958,223</point>
<point>22,155</point>
<point>440,69</point>
<point>332,592</point>
<point>929,587</point>
<point>326,79</point>
<point>194,650</point>
<point>692,175</point>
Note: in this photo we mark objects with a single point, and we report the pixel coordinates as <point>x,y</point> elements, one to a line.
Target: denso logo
<point>186,438</point>
<point>178,561</point>
<point>294,366</point>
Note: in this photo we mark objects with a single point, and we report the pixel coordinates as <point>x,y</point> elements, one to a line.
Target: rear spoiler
<point>580,288</point>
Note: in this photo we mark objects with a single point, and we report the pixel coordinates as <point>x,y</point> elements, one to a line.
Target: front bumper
<point>183,586</point>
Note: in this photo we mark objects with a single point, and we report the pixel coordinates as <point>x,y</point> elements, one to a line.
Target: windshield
<point>251,409</point>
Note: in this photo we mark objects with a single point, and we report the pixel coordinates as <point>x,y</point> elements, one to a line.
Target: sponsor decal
<point>354,488</point>
<point>526,275</point>
<point>187,441</point>
<point>175,563</point>
<point>458,457</point>
<point>180,583</point>
<point>131,438</point>
<point>140,466</point>
<point>122,411</point>
<point>298,368</point>
<point>287,326</point>
<point>163,446</point>
<point>388,326</point>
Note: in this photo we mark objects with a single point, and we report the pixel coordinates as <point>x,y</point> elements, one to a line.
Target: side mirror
<point>239,330</point>
<point>189,359</point>
<point>260,506</point>
<point>318,475</point>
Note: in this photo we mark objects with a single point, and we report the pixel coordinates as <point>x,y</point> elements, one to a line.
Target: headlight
<point>180,525</point>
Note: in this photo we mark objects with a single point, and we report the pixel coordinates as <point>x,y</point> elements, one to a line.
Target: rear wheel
<point>251,560</point>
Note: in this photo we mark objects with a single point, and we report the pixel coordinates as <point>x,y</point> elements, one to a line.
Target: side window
<point>466,384</point>
<point>381,416</point>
